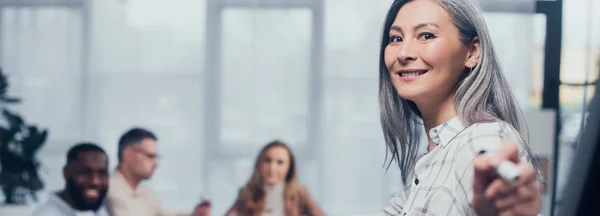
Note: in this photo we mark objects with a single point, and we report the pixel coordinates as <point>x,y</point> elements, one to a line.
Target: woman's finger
<point>527,174</point>
<point>506,202</point>
<point>498,188</point>
<point>508,151</point>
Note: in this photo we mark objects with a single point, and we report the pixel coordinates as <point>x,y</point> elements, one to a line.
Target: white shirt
<point>56,206</point>
<point>275,199</point>
<point>442,180</point>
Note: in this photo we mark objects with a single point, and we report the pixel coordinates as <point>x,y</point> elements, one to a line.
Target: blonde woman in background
<point>273,188</point>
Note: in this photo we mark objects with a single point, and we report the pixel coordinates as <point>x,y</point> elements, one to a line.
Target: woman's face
<point>425,56</point>
<point>275,165</point>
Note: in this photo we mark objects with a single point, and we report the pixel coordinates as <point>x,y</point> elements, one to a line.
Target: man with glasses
<point>138,156</point>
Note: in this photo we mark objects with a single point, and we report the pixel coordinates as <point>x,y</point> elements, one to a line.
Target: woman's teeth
<point>409,74</point>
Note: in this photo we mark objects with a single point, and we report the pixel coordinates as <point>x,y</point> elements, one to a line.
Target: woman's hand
<point>494,196</point>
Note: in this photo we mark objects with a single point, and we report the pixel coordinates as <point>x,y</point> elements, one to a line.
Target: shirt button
<point>433,133</point>
<point>416,181</point>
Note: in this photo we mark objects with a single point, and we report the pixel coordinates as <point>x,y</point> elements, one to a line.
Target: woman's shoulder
<point>497,128</point>
<point>482,136</point>
<point>490,125</point>
<point>487,136</point>
<point>300,189</point>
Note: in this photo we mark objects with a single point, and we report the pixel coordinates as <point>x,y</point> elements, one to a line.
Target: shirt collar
<point>138,191</point>
<point>444,133</point>
<point>60,203</point>
<point>65,208</point>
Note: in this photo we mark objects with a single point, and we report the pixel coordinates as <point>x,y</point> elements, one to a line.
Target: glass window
<point>148,36</point>
<point>40,52</point>
<point>581,46</point>
<point>265,76</point>
<point>517,54</point>
<point>537,63</point>
<point>579,65</point>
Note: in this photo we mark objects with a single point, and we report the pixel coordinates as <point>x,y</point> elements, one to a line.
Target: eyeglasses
<point>152,156</point>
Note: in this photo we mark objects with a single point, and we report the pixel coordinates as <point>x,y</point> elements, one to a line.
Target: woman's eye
<point>426,36</point>
<point>395,39</point>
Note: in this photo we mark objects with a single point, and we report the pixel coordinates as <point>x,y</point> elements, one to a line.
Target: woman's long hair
<point>482,95</point>
<point>252,196</point>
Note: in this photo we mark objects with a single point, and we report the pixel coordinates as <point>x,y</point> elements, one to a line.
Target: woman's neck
<point>276,186</point>
<point>435,114</point>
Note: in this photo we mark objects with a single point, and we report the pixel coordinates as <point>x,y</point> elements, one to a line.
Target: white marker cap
<point>509,171</point>
<point>506,169</point>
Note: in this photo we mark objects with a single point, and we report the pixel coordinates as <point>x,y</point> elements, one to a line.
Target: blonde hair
<point>251,200</point>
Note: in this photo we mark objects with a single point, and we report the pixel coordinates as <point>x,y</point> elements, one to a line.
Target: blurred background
<point>218,79</point>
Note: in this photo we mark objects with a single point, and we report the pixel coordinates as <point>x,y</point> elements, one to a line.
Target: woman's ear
<point>474,51</point>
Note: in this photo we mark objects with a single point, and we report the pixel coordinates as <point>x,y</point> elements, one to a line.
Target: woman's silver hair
<point>482,94</point>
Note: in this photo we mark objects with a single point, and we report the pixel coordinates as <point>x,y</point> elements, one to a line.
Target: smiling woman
<point>427,45</point>
<point>273,188</point>
<point>439,72</point>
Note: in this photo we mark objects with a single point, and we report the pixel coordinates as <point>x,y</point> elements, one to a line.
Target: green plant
<point>19,143</point>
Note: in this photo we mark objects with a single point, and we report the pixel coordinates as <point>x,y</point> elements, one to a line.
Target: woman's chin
<point>273,182</point>
<point>410,95</point>
<point>410,92</point>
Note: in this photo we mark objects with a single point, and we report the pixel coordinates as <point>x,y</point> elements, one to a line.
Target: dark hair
<point>133,137</point>
<point>73,153</point>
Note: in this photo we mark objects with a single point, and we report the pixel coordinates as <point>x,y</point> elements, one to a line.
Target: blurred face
<point>275,165</point>
<point>87,180</point>
<point>144,158</point>
<point>425,56</point>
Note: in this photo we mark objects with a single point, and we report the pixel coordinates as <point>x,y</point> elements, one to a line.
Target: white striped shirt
<point>442,180</point>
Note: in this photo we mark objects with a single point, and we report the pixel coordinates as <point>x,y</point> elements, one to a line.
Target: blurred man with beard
<point>86,175</point>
